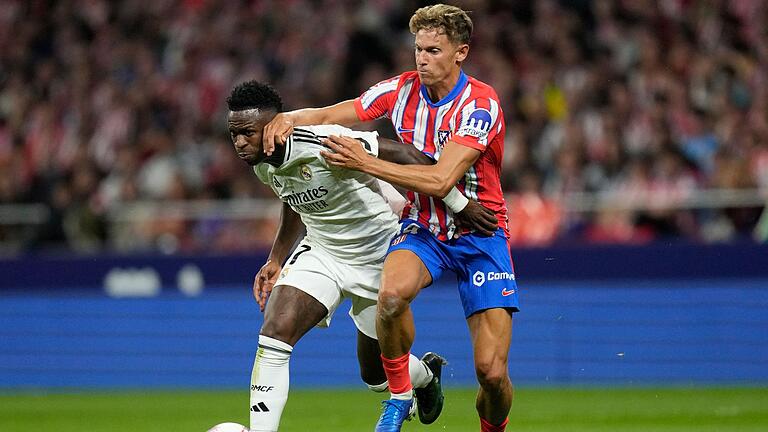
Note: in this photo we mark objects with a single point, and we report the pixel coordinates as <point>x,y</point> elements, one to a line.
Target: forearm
<point>424,179</point>
<point>288,232</point>
<point>435,180</point>
<point>403,154</point>
<point>342,113</point>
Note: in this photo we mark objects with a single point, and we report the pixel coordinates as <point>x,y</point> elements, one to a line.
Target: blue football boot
<point>394,413</point>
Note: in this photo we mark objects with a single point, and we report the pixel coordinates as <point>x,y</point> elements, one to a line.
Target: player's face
<point>245,129</point>
<point>437,58</point>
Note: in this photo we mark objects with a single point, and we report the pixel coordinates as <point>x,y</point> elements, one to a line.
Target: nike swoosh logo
<point>401,130</point>
<point>505,292</point>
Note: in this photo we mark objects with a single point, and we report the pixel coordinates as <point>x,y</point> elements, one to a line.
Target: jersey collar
<point>450,96</point>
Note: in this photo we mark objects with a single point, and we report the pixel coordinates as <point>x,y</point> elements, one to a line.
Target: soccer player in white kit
<point>349,223</point>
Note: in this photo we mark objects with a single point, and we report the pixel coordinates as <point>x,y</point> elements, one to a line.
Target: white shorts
<point>314,271</point>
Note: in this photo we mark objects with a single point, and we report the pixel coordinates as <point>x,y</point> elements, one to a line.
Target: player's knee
<point>492,374</point>
<point>391,305</point>
<point>283,332</point>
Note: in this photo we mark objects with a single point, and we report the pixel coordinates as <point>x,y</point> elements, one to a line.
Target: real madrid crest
<point>306,173</point>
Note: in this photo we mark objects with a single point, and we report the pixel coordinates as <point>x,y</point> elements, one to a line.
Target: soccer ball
<point>228,427</point>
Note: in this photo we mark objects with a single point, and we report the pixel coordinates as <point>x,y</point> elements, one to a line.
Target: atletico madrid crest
<point>442,137</point>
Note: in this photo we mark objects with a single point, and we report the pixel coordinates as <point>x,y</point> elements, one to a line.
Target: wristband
<point>455,200</point>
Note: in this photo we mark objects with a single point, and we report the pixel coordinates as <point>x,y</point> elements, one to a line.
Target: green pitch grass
<point>540,410</point>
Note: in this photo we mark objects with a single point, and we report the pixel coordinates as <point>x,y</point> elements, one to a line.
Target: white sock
<point>379,388</point>
<point>420,377</point>
<point>269,384</point>
<point>402,396</point>
<point>419,372</point>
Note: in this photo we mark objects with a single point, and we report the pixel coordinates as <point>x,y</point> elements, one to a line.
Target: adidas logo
<point>260,407</point>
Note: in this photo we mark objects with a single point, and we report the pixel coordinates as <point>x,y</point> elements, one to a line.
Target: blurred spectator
<point>109,103</point>
<point>533,219</point>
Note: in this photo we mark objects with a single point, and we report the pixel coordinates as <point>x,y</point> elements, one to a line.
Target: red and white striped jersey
<point>469,115</point>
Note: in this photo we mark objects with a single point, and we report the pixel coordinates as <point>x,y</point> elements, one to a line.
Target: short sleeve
<point>480,120</point>
<point>368,139</point>
<point>378,100</point>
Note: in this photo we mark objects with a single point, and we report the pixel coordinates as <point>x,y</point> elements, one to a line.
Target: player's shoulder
<point>304,144</point>
<point>398,81</point>
<point>307,141</point>
<point>408,76</point>
<point>322,131</point>
<point>481,89</point>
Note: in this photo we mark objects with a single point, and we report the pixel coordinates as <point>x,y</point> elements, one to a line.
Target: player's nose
<point>240,142</point>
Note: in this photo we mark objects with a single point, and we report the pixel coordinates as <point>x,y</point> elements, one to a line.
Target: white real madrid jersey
<point>345,211</point>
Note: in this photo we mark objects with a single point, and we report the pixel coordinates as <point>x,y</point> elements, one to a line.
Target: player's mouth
<point>244,155</point>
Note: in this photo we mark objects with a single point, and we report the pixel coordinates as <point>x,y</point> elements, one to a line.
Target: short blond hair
<point>451,20</point>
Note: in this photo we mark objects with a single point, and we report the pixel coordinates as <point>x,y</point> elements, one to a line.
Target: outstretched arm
<point>469,213</point>
<point>436,180</point>
<point>280,127</point>
<point>289,231</point>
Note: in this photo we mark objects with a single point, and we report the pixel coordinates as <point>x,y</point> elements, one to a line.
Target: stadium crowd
<point>646,102</point>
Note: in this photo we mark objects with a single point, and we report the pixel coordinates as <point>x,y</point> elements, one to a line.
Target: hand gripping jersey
<point>469,115</point>
<point>344,211</point>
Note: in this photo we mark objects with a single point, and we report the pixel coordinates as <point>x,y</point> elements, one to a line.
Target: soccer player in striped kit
<point>457,120</point>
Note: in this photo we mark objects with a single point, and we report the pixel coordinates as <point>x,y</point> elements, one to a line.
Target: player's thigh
<point>404,275</point>
<point>306,294</point>
<point>415,259</point>
<point>491,334</point>
<point>291,313</point>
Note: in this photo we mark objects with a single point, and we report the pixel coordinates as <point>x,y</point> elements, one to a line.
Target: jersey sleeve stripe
<point>398,110</point>
<point>362,115</point>
<point>288,147</point>
<point>464,97</point>
<point>377,91</point>
<point>494,110</point>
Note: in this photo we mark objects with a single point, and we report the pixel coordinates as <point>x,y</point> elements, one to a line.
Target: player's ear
<point>461,53</point>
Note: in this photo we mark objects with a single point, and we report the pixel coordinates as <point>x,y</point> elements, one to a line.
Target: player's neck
<point>439,90</point>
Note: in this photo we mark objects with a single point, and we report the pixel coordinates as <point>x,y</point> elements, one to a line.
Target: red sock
<point>487,427</point>
<point>397,373</point>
